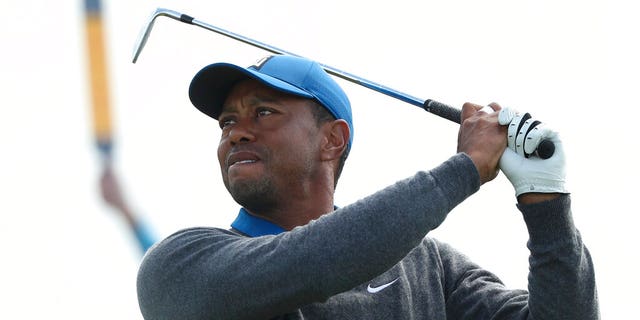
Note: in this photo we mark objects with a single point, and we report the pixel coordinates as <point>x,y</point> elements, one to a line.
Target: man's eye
<point>264,112</point>
<point>224,123</point>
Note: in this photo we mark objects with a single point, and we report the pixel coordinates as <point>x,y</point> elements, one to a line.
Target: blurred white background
<point>573,64</point>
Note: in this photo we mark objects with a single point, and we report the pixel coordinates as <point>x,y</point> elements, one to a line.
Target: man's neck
<point>304,202</point>
<point>293,215</point>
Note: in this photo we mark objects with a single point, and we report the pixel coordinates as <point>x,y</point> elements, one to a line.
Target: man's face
<point>269,149</point>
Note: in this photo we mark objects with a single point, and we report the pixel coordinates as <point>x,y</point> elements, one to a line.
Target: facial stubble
<point>254,194</point>
<point>264,193</point>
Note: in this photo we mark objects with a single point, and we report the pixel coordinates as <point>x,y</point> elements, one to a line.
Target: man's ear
<point>336,139</point>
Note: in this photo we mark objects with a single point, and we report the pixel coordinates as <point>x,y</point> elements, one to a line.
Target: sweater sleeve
<point>561,278</point>
<point>208,273</point>
<point>561,274</point>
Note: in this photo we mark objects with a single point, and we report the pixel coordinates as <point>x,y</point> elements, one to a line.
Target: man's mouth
<point>241,158</point>
<point>244,161</point>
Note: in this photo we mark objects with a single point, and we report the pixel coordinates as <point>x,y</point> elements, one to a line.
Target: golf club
<point>545,148</point>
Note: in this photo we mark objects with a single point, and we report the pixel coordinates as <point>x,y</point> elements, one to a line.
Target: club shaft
<point>437,108</point>
<point>432,106</point>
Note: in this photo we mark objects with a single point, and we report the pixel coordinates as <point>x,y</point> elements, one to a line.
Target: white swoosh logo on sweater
<point>371,289</point>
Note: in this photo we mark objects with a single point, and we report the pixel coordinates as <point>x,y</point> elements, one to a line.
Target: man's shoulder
<point>198,232</point>
<point>437,250</point>
<point>428,249</point>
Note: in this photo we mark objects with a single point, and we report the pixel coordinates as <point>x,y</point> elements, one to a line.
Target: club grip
<point>545,149</point>
<point>442,110</point>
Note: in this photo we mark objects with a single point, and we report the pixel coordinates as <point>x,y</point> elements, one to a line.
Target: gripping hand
<point>527,172</point>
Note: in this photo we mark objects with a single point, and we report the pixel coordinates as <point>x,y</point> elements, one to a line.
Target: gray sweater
<point>370,260</point>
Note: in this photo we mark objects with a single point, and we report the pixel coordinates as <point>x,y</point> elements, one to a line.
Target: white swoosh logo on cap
<point>377,289</point>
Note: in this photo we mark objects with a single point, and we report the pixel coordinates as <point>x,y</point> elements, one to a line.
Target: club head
<point>146,29</point>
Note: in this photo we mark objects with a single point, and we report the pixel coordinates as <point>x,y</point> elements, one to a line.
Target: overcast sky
<point>572,64</point>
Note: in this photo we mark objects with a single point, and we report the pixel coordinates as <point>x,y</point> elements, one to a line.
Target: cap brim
<point>210,87</point>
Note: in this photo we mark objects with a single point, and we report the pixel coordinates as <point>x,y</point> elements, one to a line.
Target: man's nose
<point>242,131</point>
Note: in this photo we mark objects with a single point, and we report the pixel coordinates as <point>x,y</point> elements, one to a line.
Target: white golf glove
<point>527,172</point>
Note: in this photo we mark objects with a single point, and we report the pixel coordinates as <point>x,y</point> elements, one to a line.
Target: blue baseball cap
<point>293,75</point>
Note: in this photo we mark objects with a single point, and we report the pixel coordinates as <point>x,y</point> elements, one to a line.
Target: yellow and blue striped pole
<point>102,127</point>
<point>101,112</point>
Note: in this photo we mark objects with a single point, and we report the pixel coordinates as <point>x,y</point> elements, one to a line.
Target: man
<point>291,254</point>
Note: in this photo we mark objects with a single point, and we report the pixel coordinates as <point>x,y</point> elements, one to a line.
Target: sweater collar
<point>254,226</point>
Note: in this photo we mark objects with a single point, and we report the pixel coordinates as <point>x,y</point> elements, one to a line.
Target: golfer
<point>292,253</point>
